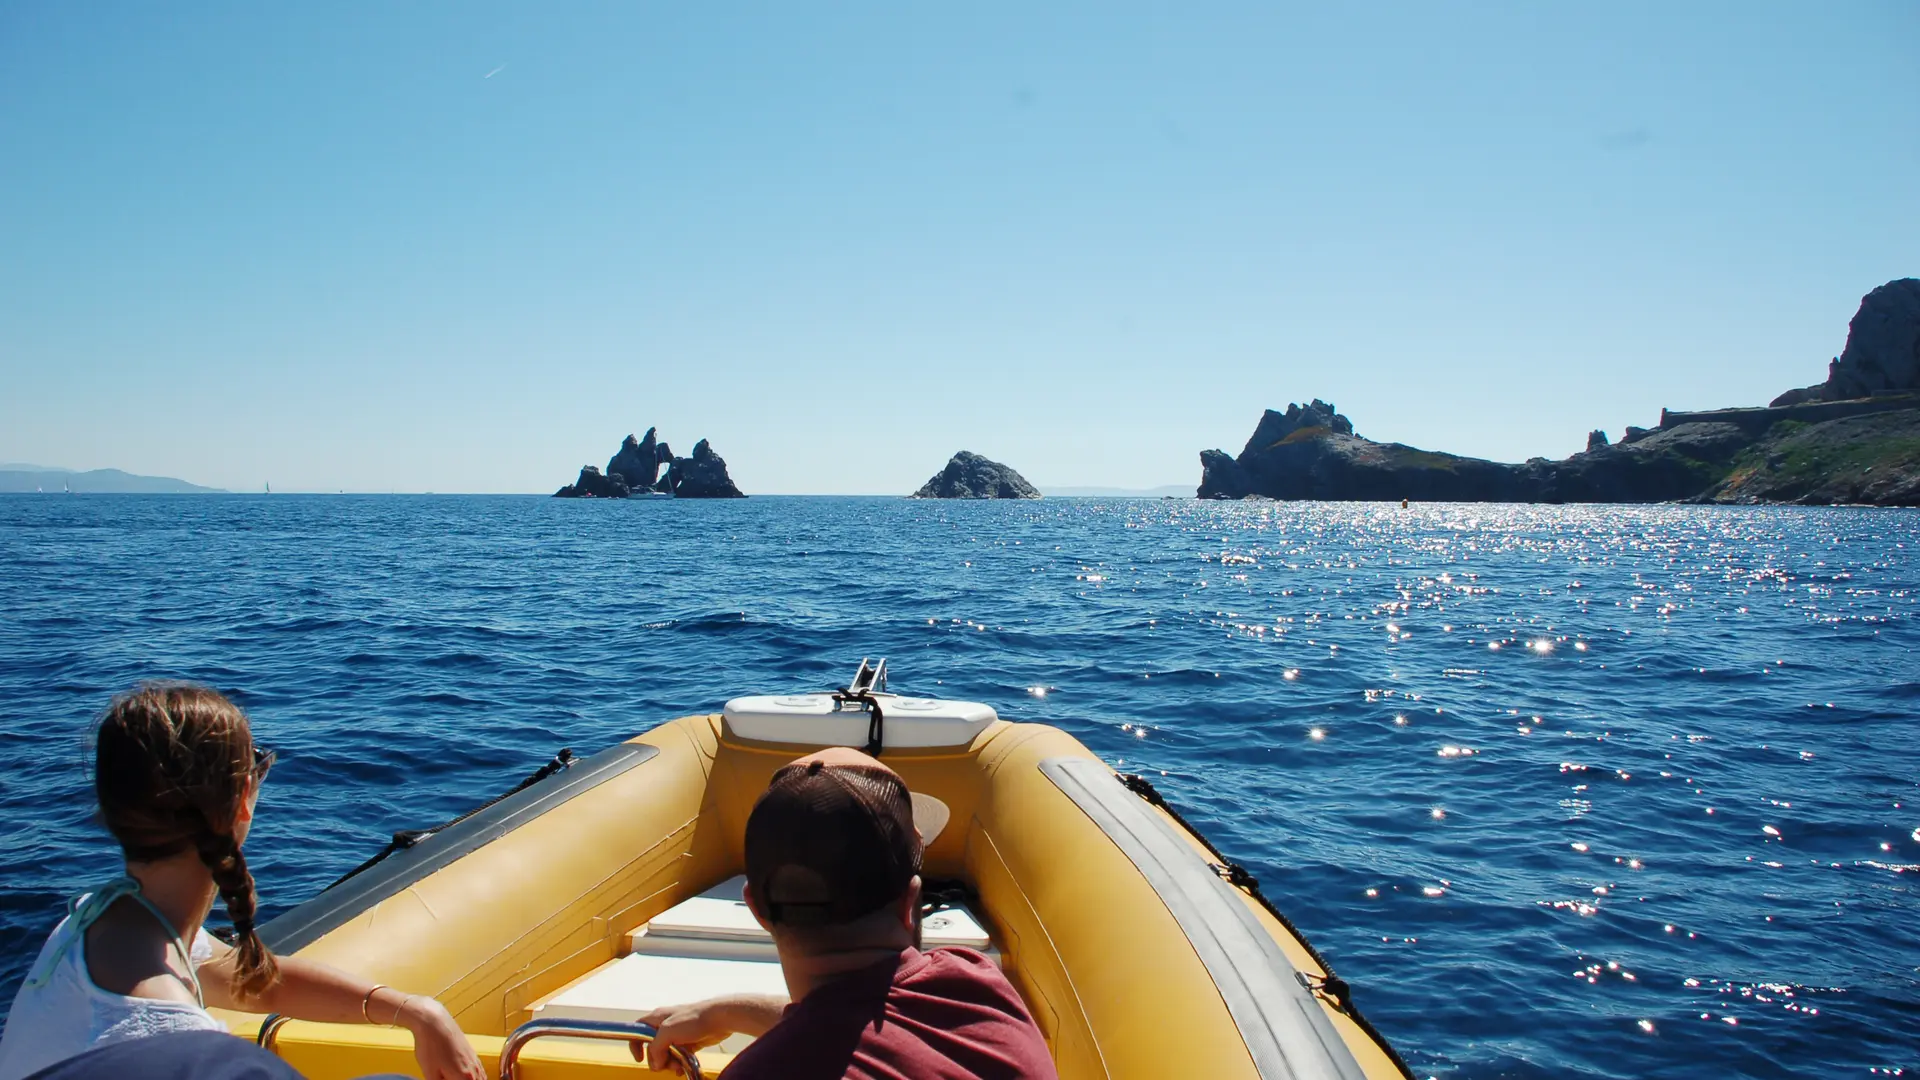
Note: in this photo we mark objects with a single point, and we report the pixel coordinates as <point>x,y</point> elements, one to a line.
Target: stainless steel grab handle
<point>585,1029</point>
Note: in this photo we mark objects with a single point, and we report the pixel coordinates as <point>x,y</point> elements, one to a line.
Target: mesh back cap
<point>833,838</point>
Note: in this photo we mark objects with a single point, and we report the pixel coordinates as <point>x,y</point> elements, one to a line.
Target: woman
<point>177,774</point>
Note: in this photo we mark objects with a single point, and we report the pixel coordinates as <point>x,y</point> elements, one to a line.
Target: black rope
<point>1336,988</point>
<point>407,838</point>
<point>937,893</point>
<point>876,721</point>
<point>876,728</point>
<point>1331,985</point>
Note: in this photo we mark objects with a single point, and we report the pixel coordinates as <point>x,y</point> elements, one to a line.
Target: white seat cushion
<point>707,946</point>
<point>818,720</point>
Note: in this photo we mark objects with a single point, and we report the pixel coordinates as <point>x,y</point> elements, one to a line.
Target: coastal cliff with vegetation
<point>1854,438</point>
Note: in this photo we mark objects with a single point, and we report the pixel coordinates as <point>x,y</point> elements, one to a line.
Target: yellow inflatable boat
<point>548,921</point>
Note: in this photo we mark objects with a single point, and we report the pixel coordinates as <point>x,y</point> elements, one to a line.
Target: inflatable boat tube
<point>1141,951</point>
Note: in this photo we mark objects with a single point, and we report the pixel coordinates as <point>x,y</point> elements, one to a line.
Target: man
<point>833,873</point>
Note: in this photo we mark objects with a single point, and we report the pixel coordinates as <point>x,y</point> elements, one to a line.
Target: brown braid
<point>255,970</point>
<point>172,764</point>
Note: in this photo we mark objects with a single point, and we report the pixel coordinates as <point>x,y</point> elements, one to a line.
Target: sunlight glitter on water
<point>1653,669</point>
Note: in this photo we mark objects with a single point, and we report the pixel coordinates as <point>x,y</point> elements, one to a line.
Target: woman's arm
<point>314,991</point>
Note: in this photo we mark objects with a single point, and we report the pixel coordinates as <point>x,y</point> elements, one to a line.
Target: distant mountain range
<point>1184,491</point>
<point>31,478</point>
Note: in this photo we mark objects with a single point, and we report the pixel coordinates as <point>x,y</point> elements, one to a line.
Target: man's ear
<point>753,905</point>
<point>910,904</point>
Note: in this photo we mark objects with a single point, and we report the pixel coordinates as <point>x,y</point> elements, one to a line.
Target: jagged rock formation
<point>1596,440</point>
<point>1275,427</point>
<point>593,484</point>
<point>702,476</point>
<point>635,467</point>
<point>638,461</point>
<point>970,476</point>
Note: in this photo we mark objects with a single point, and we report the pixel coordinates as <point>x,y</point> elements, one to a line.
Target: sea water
<point>1562,791</point>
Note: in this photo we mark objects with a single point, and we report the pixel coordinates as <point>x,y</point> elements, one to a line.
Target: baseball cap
<point>836,836</point>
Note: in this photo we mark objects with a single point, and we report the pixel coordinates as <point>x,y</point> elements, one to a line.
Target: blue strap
<point>86,909</point>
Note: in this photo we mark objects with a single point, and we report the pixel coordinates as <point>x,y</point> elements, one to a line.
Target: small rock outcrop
<point>1596,440</point>
<point>970,476</point>
<point>638,461</point>
<point>635,469</point>
<point>1800,396</point>
<point>593,484</point>
<point>702,476</point>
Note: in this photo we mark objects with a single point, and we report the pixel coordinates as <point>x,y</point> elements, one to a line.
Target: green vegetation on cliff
<point>1860,459</point>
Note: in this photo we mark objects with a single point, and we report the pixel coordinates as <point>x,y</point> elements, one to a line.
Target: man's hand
<point>696,1026</point>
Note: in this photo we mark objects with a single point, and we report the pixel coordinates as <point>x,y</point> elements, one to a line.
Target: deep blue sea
<point>1563,792</point>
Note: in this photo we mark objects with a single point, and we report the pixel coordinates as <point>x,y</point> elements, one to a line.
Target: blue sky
<point>462,247</point>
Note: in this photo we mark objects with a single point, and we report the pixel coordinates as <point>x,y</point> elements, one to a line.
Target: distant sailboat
<point>66,488</point>
<point>269,489</point>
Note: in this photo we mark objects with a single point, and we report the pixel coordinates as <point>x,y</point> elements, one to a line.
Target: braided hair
<point>172,765</point>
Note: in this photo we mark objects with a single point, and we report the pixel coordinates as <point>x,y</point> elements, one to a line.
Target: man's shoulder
<point>960,974</point>
<point>974,1015</point>
<point>962,955</point>
<point>956,961</point>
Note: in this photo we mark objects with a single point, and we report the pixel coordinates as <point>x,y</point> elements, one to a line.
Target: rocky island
<point>1853,439</point>
<point>634,469</point>
<point>970,476</point>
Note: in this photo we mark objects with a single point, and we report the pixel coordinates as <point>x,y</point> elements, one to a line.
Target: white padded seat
<point>717,924</point>
<point>707,946</point>
<point>819,720</point>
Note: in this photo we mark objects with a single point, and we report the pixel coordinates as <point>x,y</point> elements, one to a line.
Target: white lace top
<point>59,1012</point>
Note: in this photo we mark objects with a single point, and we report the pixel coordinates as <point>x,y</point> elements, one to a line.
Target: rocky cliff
<point>1882,354</point>
<point>638,461</point>
<point>702,476</point>
<point>635,469</point>
<point>970,476</point>
<point>1852,439</point>
<point>1872,459</point>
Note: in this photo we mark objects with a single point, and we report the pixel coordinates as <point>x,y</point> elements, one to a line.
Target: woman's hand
<point>439,1045</point>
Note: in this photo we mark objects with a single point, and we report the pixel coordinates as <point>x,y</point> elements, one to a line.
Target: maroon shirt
<point>945,1014</point>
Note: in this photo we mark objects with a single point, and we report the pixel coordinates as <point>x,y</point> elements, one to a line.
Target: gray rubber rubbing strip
<point>307,923</point>
<point>1283,1024</point>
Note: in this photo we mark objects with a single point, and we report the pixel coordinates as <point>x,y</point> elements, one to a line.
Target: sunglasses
<point>262,761</point>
